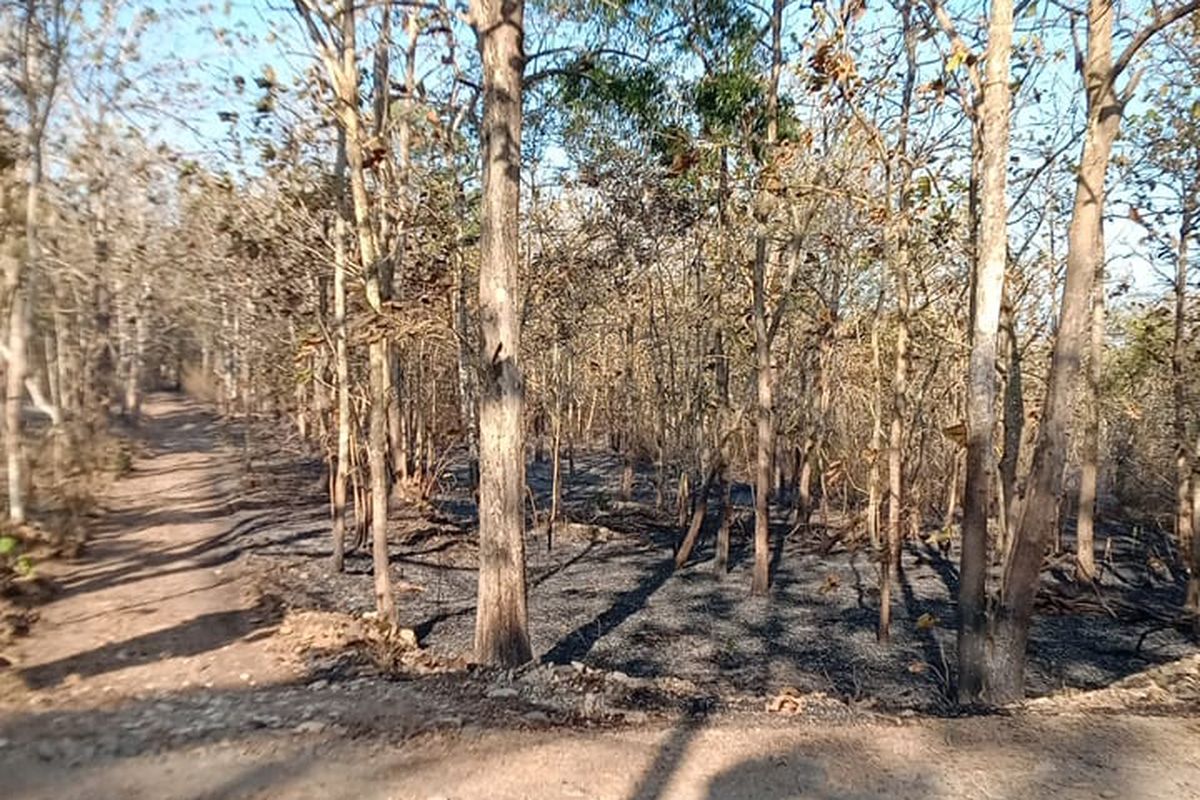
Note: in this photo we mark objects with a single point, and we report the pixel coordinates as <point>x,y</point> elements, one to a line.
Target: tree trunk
<point>555,479</point>
<point>765,428</point>
<point>1037,518</point>
<point>501,624</point>
<point>23,284</point>
<point>15,372</point>
<point>990,259</point>
<point>721,561</point>
<point>1014,419</point>
<point>1184,523</point>
<point>874,476</point>
<point>341,364</point>
<point>1193,587</point>
<point>890,563</point>
<point>378,359</point>
<point>698,514</point>
<point>764,377</point>
<point>1085,528</point>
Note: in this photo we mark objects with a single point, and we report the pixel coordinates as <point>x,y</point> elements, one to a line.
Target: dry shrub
<point>317,635</point>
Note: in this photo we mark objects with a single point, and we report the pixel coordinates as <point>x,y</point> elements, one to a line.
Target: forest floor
<point>199,647</point>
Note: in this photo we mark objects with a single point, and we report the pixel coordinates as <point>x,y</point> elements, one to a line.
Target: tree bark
<point>698,513</point>
<point>874,476</point>
<point>721,560</point>
<point>1193,587</point>
<point>1184,523</point>
<point>501,624</point>
<point>764,377</point>
<point>343,73</point>
<point>1037,518</point>
<point>990,260</point>
<point>1085,528</point>
<point>1014,426</point>
<point>890,563</point>
<point>341,359</point>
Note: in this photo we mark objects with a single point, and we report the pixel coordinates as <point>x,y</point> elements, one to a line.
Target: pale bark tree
<point>501,623</point>
<point>335,39</point>
<point>43,38</point>
<point>991,254</point>
<point>889,563</point>
<point>764,334</point>
<point>1185,525</point>
<point>1085,527</point>
<point>1036,521</point>
<point>341,360</point>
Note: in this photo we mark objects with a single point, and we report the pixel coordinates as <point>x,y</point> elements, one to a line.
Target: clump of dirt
<point>1173,687</point>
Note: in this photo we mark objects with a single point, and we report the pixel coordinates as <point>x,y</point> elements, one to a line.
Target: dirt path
<point>156,674</point>
<point>155,603</point>
<point>986,758</point>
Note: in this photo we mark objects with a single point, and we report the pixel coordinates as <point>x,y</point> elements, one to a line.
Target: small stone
<point>245,676</point>
<point>636,717</point>
<point>46,750</point>
<point>627,680</point>
<point>312,726</point>
<point>502,693</point>
<point>317,686</point>
<point>536,717</point>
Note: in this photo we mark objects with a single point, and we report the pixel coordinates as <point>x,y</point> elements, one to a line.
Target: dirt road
<point>155,602</point>
<point>155,673</point>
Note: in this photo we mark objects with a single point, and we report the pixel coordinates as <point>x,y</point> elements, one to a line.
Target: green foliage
<point>12,558</point>
<point>725,100</point>
<point>1143,350</point>
<point>635,91</point>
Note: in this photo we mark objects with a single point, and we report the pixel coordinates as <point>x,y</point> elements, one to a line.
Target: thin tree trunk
<point>765,427</point>
<point>341,363</point>
<point>24,283</point>
<point>501,624</point>
<point>466,375</point>
<point>1014,424</point>
<point>555,479</point>
<point>890,563</point>
<point>764,377</point>
<point>15,372</point>
<point>698,514</point>
<point>1085,529</point>
<point>1184,523</point>
<point>1193,587</point>
<point>343,71</point>
<point>874,476</point>
<point>721,561</point>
